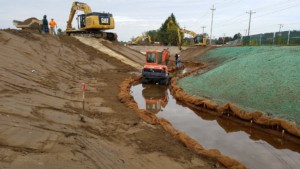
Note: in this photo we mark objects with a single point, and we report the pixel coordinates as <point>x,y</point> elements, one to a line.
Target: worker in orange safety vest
<point>165,54</point>
<point>52,24</point>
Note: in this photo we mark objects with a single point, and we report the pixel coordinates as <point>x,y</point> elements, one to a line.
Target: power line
<point>246,32</point>
<point>212,19</point>
<point>285,2</point>
<point>238,19</point>
<point>228,3</point>
<point>264,10</point>
<point>199,19</point>
<point>250,20</point>
<point>280,26</point>
<point>203,27</point>
<point>278,10</point>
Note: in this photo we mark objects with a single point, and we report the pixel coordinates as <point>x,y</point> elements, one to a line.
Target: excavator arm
<point>188,32</point>
<point>149,39</point>
<point>139,38</point>
<point>179,38</point>
<point>195,36</point>
<point>77,6</point>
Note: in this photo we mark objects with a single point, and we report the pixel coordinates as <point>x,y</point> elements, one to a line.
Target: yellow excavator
<point>199,40</point>
<point>91,23</point>
<point>139,38</point>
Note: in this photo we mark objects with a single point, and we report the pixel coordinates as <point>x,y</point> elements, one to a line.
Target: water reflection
<point>254,148</point>
<point>156,98</point>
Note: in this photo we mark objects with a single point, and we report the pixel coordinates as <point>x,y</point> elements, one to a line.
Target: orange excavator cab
<point>155,69</point>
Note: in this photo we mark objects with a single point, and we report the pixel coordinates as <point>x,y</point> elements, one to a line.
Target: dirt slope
<point>187,53</point>
<point>192,53</point>
<point>41,103</point>
<point>134,55</point>
<point>172,49</point>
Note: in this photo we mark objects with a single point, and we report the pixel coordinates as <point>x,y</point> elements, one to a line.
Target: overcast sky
<point>134,17</point>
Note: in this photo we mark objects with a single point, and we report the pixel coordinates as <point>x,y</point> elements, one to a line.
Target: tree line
<point>167,33</point>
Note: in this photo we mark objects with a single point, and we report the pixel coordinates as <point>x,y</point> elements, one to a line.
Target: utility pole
<point>203,27</point>
<point>212,20</point>
<point>250,21</point>
<point>223,39</point>
<point>280,26</point>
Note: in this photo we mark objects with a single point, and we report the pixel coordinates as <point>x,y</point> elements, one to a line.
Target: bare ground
<point>45,124</point>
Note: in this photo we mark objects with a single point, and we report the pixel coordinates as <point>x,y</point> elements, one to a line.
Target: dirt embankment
<point>193,52</point>
<point>142,49</point>
<point>187,54</point>
<point>41,103</point>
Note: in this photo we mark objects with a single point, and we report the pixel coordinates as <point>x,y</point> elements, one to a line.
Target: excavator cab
<point>81,21</point>
<point>155,70</point>
<point>199,40</point>
<point>154,58</point>
<point>95,20</point>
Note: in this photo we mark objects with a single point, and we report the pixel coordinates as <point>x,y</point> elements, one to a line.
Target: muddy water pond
<point>254,148</point>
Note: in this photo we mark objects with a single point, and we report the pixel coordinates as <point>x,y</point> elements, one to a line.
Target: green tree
<point>237,36</point>
<point>223,40</point>
<point>168,31</point>
<point>153,34</point>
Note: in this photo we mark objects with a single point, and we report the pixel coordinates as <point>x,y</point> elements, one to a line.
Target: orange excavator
<point>155,69</point>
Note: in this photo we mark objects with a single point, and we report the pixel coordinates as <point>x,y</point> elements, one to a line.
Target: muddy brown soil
<point>187,53</point>
<point>46,124</point>
<point>194,52</point>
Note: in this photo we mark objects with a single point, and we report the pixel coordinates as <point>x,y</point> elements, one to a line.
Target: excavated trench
<point>251,146</point>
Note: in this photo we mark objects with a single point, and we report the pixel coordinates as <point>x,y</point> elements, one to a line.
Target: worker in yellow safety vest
<point>52,24</point>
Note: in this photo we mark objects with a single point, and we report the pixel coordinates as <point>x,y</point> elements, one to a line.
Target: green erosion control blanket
<point>265,78</point>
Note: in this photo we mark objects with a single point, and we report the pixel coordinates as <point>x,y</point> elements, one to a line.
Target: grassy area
<point>264,78</point>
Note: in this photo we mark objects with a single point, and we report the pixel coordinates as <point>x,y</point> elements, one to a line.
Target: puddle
<point>253,148</point>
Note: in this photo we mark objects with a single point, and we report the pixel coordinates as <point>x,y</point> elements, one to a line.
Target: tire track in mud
<point>99,46</point>
<point>131,54</point>
<point>22,138</point>
<point>96,151</point>
<point>23,89</point>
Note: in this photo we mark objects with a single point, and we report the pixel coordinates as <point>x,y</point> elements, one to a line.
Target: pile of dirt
<point>46,124</point>
<point>28,21</point>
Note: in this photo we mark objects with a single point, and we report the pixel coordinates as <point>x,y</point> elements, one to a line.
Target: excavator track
<point>97,34</point>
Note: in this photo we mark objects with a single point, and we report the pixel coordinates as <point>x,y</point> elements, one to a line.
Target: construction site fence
<point>276,38</point>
